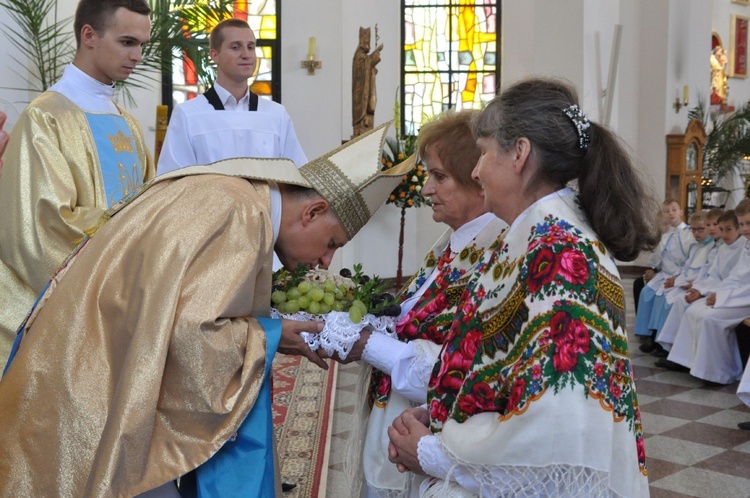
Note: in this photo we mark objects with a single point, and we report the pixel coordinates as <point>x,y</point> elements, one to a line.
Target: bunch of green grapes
<point>319,292</point>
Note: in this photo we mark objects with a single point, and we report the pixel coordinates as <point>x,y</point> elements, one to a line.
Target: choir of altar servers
<point>705,301</point>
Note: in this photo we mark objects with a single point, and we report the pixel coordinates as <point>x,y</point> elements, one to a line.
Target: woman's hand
<point>405,433</point>
<point>356,352</point>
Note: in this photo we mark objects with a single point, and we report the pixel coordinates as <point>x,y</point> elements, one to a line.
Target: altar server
<point>229,120</point>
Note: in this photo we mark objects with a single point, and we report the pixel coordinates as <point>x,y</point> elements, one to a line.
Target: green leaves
<point>727,139</point>
<point>40,36</point>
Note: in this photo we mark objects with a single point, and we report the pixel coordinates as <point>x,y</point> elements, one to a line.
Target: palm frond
<point>41,37</point>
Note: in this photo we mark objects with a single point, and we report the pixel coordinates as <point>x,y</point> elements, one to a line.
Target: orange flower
<point>402,194</point>
<point>410,202</point>
<point>411,187</point>
<point>392,197</point>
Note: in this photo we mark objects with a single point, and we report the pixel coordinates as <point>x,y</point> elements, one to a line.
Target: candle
<point>161,117</point>
<point>311,48</point>
<point>685,94</point>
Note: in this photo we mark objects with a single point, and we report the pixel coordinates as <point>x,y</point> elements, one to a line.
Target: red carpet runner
<point>302,414</point>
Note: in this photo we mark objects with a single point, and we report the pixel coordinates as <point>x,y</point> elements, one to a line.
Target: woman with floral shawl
<point>533,392</point>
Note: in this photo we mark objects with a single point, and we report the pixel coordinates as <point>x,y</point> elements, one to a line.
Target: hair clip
<point>582,125</point>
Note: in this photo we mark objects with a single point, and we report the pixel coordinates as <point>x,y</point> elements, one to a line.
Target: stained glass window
<point>449,57</point>
<point>266,82</point>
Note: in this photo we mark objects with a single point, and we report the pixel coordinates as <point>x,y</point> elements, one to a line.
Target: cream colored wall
<point>665,45</point>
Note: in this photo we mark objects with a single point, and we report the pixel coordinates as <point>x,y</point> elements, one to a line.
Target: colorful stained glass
<point>262,18</point>
<point>450,57</point>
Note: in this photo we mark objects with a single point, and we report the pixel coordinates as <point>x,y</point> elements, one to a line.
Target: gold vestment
<point>146,357</point>
<point>51,190</point>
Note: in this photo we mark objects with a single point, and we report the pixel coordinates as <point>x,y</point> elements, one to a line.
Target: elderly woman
<point>533,393</point>
<point>402,367</point>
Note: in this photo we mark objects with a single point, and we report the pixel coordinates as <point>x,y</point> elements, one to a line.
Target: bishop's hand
<point>291,343</point>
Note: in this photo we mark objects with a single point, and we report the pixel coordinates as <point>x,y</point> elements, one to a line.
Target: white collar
<point>228,100</point>
<point>88,84</point>
<point>468,231</point>
<point>564,192</point>
<point>85,92</point>
<point>681,226</point>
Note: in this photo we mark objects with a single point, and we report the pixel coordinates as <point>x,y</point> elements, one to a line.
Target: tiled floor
<point>693,445</point>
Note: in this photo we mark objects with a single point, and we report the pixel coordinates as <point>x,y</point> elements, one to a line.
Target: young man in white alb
<point>229,120</point>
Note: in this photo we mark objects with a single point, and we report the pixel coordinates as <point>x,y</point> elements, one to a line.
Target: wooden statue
<point>364,95</point>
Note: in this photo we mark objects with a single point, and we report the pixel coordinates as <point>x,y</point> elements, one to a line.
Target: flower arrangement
<point>408,193</point>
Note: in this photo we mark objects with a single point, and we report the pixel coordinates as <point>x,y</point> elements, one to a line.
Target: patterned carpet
<point>302,402</point>
<point>693,446</point>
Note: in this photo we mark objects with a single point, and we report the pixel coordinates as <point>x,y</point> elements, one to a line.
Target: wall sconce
<point>679,105</point>
<point>311,64</point>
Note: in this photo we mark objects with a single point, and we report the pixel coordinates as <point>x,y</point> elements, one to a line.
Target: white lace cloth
<point>339,333</point>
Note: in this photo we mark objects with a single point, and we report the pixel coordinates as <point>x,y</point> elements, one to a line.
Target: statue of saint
<point>364,96</point>
<point>719,87</point>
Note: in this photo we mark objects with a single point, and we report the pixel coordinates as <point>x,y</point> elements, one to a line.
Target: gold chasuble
<point>144,360</point>
<point>57,182</point>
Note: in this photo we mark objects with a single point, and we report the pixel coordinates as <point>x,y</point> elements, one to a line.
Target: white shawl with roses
<point>533,393</point>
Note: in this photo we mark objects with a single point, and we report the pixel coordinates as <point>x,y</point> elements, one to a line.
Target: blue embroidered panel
<point>122,171</point>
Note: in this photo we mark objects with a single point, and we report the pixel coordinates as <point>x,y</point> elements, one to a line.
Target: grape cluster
<point>319,292</point>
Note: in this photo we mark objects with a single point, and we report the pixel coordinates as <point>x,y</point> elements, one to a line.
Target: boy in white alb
<point>228,120</point>
<point>666,261</point>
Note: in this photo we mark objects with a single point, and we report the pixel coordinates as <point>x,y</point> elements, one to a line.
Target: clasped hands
<point>405,432</point>
<point>693,295</point>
